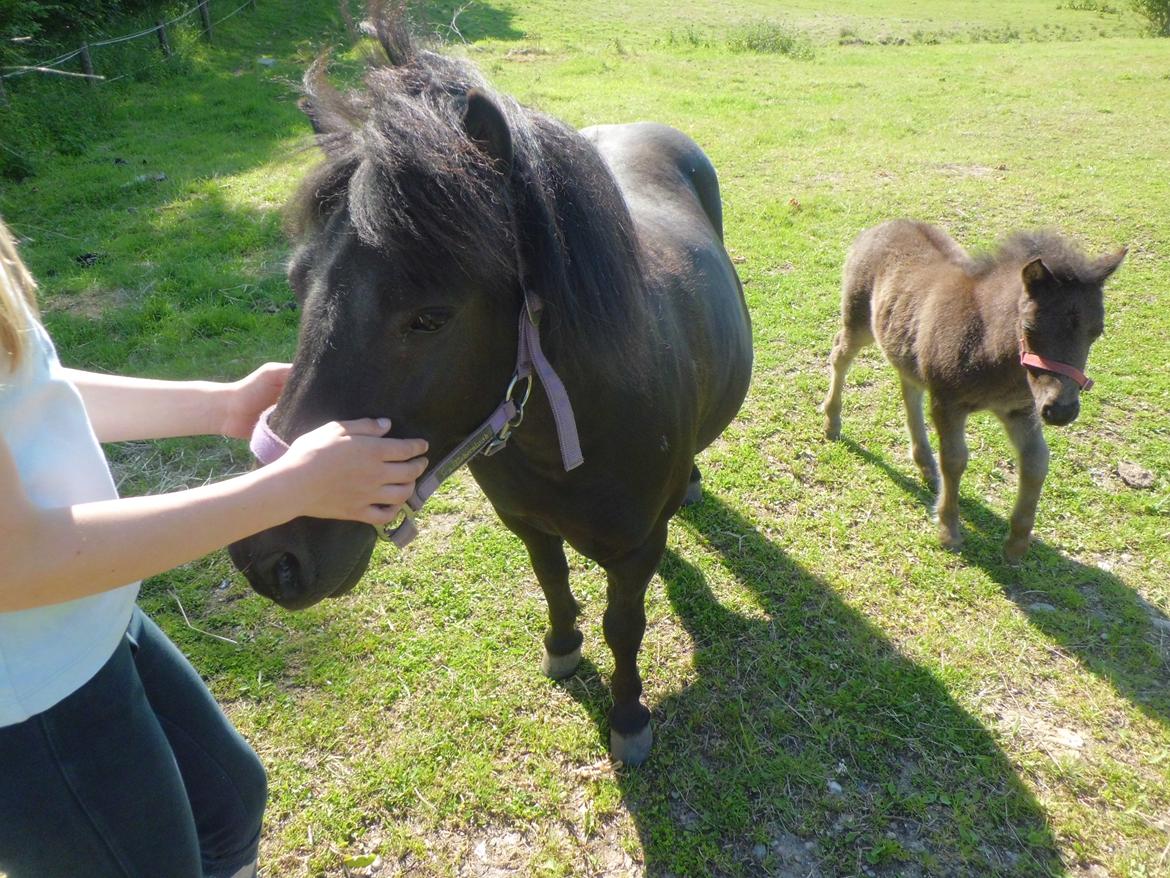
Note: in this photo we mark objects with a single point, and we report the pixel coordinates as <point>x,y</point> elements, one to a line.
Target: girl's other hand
<point>250,396</point>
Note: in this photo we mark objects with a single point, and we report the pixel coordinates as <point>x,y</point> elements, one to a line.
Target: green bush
<point>771,38</point>
<point>1157,13</point>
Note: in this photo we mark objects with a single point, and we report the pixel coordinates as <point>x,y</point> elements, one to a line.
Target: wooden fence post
<point>87,63</point>
<point>205,17</point>
<point>161,30</point>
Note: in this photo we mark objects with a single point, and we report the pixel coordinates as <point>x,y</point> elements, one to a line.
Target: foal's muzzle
<point>1059,414</point>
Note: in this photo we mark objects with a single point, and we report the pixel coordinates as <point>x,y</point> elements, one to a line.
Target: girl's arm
<point>123,408</point>
<point>340,470</point>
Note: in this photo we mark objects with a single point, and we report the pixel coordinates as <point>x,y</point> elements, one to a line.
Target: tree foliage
<point>30,29</point>
<point>1157,13</point>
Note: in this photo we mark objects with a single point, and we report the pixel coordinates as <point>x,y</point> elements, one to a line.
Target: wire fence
<point>83,55</point>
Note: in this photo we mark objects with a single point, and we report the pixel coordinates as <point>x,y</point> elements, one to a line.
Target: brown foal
<point>1009,332</point>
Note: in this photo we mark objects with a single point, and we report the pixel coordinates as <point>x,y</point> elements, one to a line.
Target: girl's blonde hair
<point>18,303</point>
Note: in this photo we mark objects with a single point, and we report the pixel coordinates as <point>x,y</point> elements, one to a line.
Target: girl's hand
<point>348,470</point>
<point>250,396</point>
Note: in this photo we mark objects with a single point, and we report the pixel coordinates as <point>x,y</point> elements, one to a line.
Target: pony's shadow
<point>803,742</point>
<point>1090,612</point>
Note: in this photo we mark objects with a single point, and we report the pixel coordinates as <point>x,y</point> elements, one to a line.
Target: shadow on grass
<point>1089,612</point>
<point>456,19</point>
<point>808,745</point>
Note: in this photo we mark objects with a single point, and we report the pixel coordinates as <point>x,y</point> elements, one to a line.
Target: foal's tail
<point>857,281</point>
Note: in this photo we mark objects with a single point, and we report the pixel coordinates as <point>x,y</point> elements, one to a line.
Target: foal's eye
<point>430,320</point>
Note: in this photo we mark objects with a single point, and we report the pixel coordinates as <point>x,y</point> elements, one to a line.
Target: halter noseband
<point>490,437</point>
<point>1036,361</point>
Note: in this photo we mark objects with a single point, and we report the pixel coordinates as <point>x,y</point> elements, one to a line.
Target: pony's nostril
<point>1046,412</point>
<point>287,573</point>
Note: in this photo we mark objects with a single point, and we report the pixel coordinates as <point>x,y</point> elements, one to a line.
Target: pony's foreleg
<point>562,641</point>
<point>847,344</point>
<point>694,487</point>
<point>952,454</point>
<point>1027,436</point>
<point>630,735</point>
<point>919,440</point>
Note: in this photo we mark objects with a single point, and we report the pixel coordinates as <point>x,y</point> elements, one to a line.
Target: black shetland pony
<point>440,206</point>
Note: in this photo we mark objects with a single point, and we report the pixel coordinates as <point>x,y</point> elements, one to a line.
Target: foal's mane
<point>1060,255</point>
<point>398,156</point>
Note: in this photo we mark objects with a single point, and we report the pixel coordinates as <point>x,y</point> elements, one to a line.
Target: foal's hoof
<point>694,493</point>
<point>631,749</point>
<point>1015,549</point>
<point>950,539</point>
<point>832,430</point>
<point>557,667</point>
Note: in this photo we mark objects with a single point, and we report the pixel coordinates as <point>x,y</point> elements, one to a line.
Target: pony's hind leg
<point>630,735</point>
<point>847,344</point>
<point>912,396</point>
<point>1027,436</point>
<point>562,641</point>
<point>951,424</point>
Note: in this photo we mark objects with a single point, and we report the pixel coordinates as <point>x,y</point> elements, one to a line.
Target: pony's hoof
<point>557,667</point>
<point>832,430</point>
<point>1014,550</point>
<point>631,749</point>
<point>694,494</point>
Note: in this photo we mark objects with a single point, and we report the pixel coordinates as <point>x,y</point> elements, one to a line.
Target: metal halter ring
<point>516,421</point>
<point>501,438</point>
<point>404,519</point>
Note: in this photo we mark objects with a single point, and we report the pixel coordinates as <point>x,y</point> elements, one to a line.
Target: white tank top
<point>47,653</point>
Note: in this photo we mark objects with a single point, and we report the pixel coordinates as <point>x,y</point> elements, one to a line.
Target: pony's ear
<point>1106,265</point>
<point>329,112</point>
<point>1037,277</point>
<point>486,126</point>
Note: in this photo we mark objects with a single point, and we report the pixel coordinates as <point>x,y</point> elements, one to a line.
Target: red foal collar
<point>1027,358</point>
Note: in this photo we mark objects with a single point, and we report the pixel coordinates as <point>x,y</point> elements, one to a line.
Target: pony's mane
<point>398,156</point>
<point>1062,257</point>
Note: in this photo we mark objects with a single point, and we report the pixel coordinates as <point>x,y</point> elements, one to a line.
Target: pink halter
<point>1027,358</point>
<point>491,436</point>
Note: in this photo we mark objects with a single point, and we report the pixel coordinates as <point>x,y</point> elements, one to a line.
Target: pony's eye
<point>430,320</point>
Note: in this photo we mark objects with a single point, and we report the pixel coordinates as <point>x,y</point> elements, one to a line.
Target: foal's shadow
<point>1091,613</point>
<point>803,743</point>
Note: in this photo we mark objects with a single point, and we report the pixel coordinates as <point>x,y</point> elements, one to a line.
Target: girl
<point>114,758</point>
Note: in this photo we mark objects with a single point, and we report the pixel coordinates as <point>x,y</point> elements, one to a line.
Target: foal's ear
<point>1106,265</point>
<point>485,124</point>
<point>1036,276</point>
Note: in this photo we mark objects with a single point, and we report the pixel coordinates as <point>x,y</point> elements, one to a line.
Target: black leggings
<point>138,774</point>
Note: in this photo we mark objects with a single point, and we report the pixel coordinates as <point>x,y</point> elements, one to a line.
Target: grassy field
<point>833,693</point>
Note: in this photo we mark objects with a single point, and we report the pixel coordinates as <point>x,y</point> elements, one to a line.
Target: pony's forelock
<point>399,159</point>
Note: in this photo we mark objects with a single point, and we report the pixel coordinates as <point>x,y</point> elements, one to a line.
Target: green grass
<point>833,693</point>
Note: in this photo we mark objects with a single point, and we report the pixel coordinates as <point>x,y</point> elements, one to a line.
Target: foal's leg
<point>625,623</point>
<point>848,343</point>
<point>952,454</point>
<point>1027,436</point>
<point>919,440</point>
<point>562,641</point>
